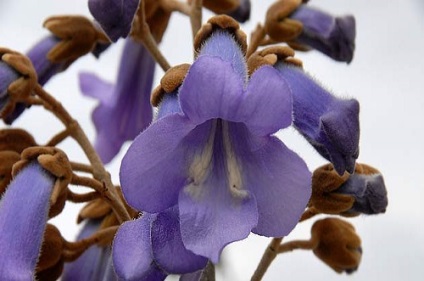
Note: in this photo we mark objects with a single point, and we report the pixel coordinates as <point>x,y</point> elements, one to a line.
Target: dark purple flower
<point>242,13</point>
<point>333,36</point>
<point>114,16</point>
<point>7,76</point>
<point>369,192</point>
<point>24,210</point>
<point>94,264</point>
<point>150,248</point>
<point>124,110</point>
<point>330,124</point>
<point>214,155</point>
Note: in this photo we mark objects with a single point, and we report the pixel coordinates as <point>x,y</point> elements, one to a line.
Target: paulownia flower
<point>214,154</point>
<point>114,16</point>
<point>330,124</point>
<point>150,248</point>
<point>124,110</point>
<point>333,36</point>
<point>24,210</point>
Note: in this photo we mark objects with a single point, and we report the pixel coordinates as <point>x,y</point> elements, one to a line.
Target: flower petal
<point>93,86</point>
<point>267,105</point>
<point>24,210</point>
<point>278,179</point>
<point>212,212</point>
<point>132,252</point>
<point>209,94</point>
<point>168,248</point>
<point>154,169</point>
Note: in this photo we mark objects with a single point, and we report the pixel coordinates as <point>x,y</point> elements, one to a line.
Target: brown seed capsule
<point>338,245</point>
<point>172,79</point>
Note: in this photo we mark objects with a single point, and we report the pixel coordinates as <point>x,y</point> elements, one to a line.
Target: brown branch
<point>80,167</point>
<point>82,198</point>
<point>196,16</point>
<point>58,138</point>
<point>269,255</point>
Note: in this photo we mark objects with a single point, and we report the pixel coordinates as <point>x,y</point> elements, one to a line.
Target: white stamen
<point>233,168</point>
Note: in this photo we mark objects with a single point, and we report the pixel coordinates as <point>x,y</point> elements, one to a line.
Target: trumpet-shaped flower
<point>150,248</point>
<point>333,36</point>
<point>124,110</point>
<point>330,124</point>
<point>24,210</point>
<point>214,156</point>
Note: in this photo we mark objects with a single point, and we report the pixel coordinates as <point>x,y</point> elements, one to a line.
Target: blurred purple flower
<point>114,16</point>
<point>150,248</point>
<point>214,155</point>
<point>124,110</point>
<point>242,13</point>
<point>7,76</point>
<point>369,192</point>
<point>330,124</point>
<point>94,264</point>
<point>333,36</point>
<point>24,210</point>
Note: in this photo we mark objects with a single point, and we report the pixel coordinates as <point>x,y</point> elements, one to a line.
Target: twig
<point>196,16</point>
<point>256,38</point>
<point>295,245</point>
<point>81,198</point>
<point>80,167</point>
<point>267,258</point>
<point>78,134</point>
<point>58,138</point>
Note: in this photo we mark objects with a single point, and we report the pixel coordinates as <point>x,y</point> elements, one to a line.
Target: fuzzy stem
<point>78,134</point>
<point>81,198</point>
<point>256,38</point>
<point>295,245</point>
<point>58,138</point>
<point>267,258</point>
<point>142,33</point>
<point>80,167</point>
<point>175,5</point>
<point>196,16</point>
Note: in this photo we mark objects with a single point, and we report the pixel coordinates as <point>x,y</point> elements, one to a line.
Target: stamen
<point>201,165</point>
<point>233,168</point>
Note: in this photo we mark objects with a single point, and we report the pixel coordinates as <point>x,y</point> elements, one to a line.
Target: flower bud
<point>338,245</point>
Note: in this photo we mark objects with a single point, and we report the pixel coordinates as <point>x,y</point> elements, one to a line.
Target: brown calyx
<point>7,160</point>
<point>338,245</point>
<point>220,22</point>
<point>324,199</point>
<point>270,56</point>
<point>51,249</point>
<point>172,79</point>
<point>54,161</point>
<point>78,35</point>
<point>277,24</point>
<point>16,140</point>
<point>22,88</point>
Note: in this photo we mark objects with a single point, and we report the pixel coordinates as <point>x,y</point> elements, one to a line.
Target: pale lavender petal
<point>132,252</point>
<point>242,13</point>
<point>168,248</point>
<point>93,264</point>
<point>114,16</point>
<point>208,94</point>
<point>124,110</point>
<point>276,176</point>
<point>333,36</point>
<point>155,167</point>
<point>267,105</point>
<point>329,123</point>
<point>24,210</point>
<point>223,45</point>
<point>213,213</point>
<point>369,192</point>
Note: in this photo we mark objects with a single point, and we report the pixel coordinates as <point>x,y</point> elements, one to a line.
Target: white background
<point>386,76</point>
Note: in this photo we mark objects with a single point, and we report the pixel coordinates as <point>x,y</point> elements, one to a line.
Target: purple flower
<point>7,76</point>
<point>333,36</point>
<point>114,16</point>
<point>124,110</point>
<point>94,264</point>
<point>215,157</point>
<point>150,248</point>
<point>369,192</point>
<point>330,124</point>
<point>24,210</point>
<point>242,13</point>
